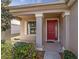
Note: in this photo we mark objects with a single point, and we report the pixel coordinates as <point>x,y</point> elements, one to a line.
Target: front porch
<point>38,33</point>
<point>40,27</point>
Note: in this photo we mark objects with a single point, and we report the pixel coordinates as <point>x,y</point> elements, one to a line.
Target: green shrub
<point>23,50</point>
<point>6,50</point>
<point>69,55</point>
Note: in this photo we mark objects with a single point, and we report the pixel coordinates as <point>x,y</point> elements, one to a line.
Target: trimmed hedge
<point>69,55</point>
<point>23,50</point>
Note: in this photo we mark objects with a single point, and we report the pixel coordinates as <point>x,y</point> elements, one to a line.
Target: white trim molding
<point>66,13</point>
<point>39,49</point>
<point>39,14</point>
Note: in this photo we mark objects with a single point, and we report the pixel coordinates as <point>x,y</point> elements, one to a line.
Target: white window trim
<point>28,31</point>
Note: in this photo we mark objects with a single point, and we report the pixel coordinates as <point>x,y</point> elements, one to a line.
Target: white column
<point>66,18</point>
<point>22,28</point>
<point>39,18</point>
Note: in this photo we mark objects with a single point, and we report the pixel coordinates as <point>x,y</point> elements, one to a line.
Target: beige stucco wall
<point>23,31</point>
<point>6,35</point>
<point>73,29</point>
<point>70,27</point>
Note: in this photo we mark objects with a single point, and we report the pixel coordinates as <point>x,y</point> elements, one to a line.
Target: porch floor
<point>52,51</point>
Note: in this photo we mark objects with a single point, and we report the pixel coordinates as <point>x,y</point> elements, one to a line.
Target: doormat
<point>50,42</point>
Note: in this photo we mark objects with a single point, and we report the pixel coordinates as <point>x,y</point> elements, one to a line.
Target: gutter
<point>34,5</point>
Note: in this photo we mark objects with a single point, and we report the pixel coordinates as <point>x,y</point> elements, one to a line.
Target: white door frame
<point>57,26</point>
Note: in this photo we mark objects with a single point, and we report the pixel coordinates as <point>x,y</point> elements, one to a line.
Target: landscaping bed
<point>68,55</point>
<point>22,50</point>
<point>40,55</point>
<point>62,55</point>
<point>19,50</point>
<point>6,49</point>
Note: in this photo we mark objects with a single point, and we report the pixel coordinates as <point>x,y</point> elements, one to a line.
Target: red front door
<point>51,30</point>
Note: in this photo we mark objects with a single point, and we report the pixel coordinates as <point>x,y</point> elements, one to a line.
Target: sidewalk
<point>52,51</point>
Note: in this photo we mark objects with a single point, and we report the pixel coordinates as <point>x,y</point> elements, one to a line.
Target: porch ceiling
<point>27,17</point>
<point>52,15</point>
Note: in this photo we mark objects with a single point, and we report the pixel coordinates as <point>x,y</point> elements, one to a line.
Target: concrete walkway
<point>52,51</point>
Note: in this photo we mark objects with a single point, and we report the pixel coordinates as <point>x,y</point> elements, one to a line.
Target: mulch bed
<point>61,54</point>
<point>40,55</point>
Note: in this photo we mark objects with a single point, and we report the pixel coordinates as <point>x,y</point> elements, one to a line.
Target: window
<point>31,27</point>
<point>15,26</point>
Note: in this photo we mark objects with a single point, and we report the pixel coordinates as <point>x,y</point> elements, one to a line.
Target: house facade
<point>55,22</point>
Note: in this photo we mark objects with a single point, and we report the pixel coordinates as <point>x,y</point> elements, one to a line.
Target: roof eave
<point>32,5</point>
